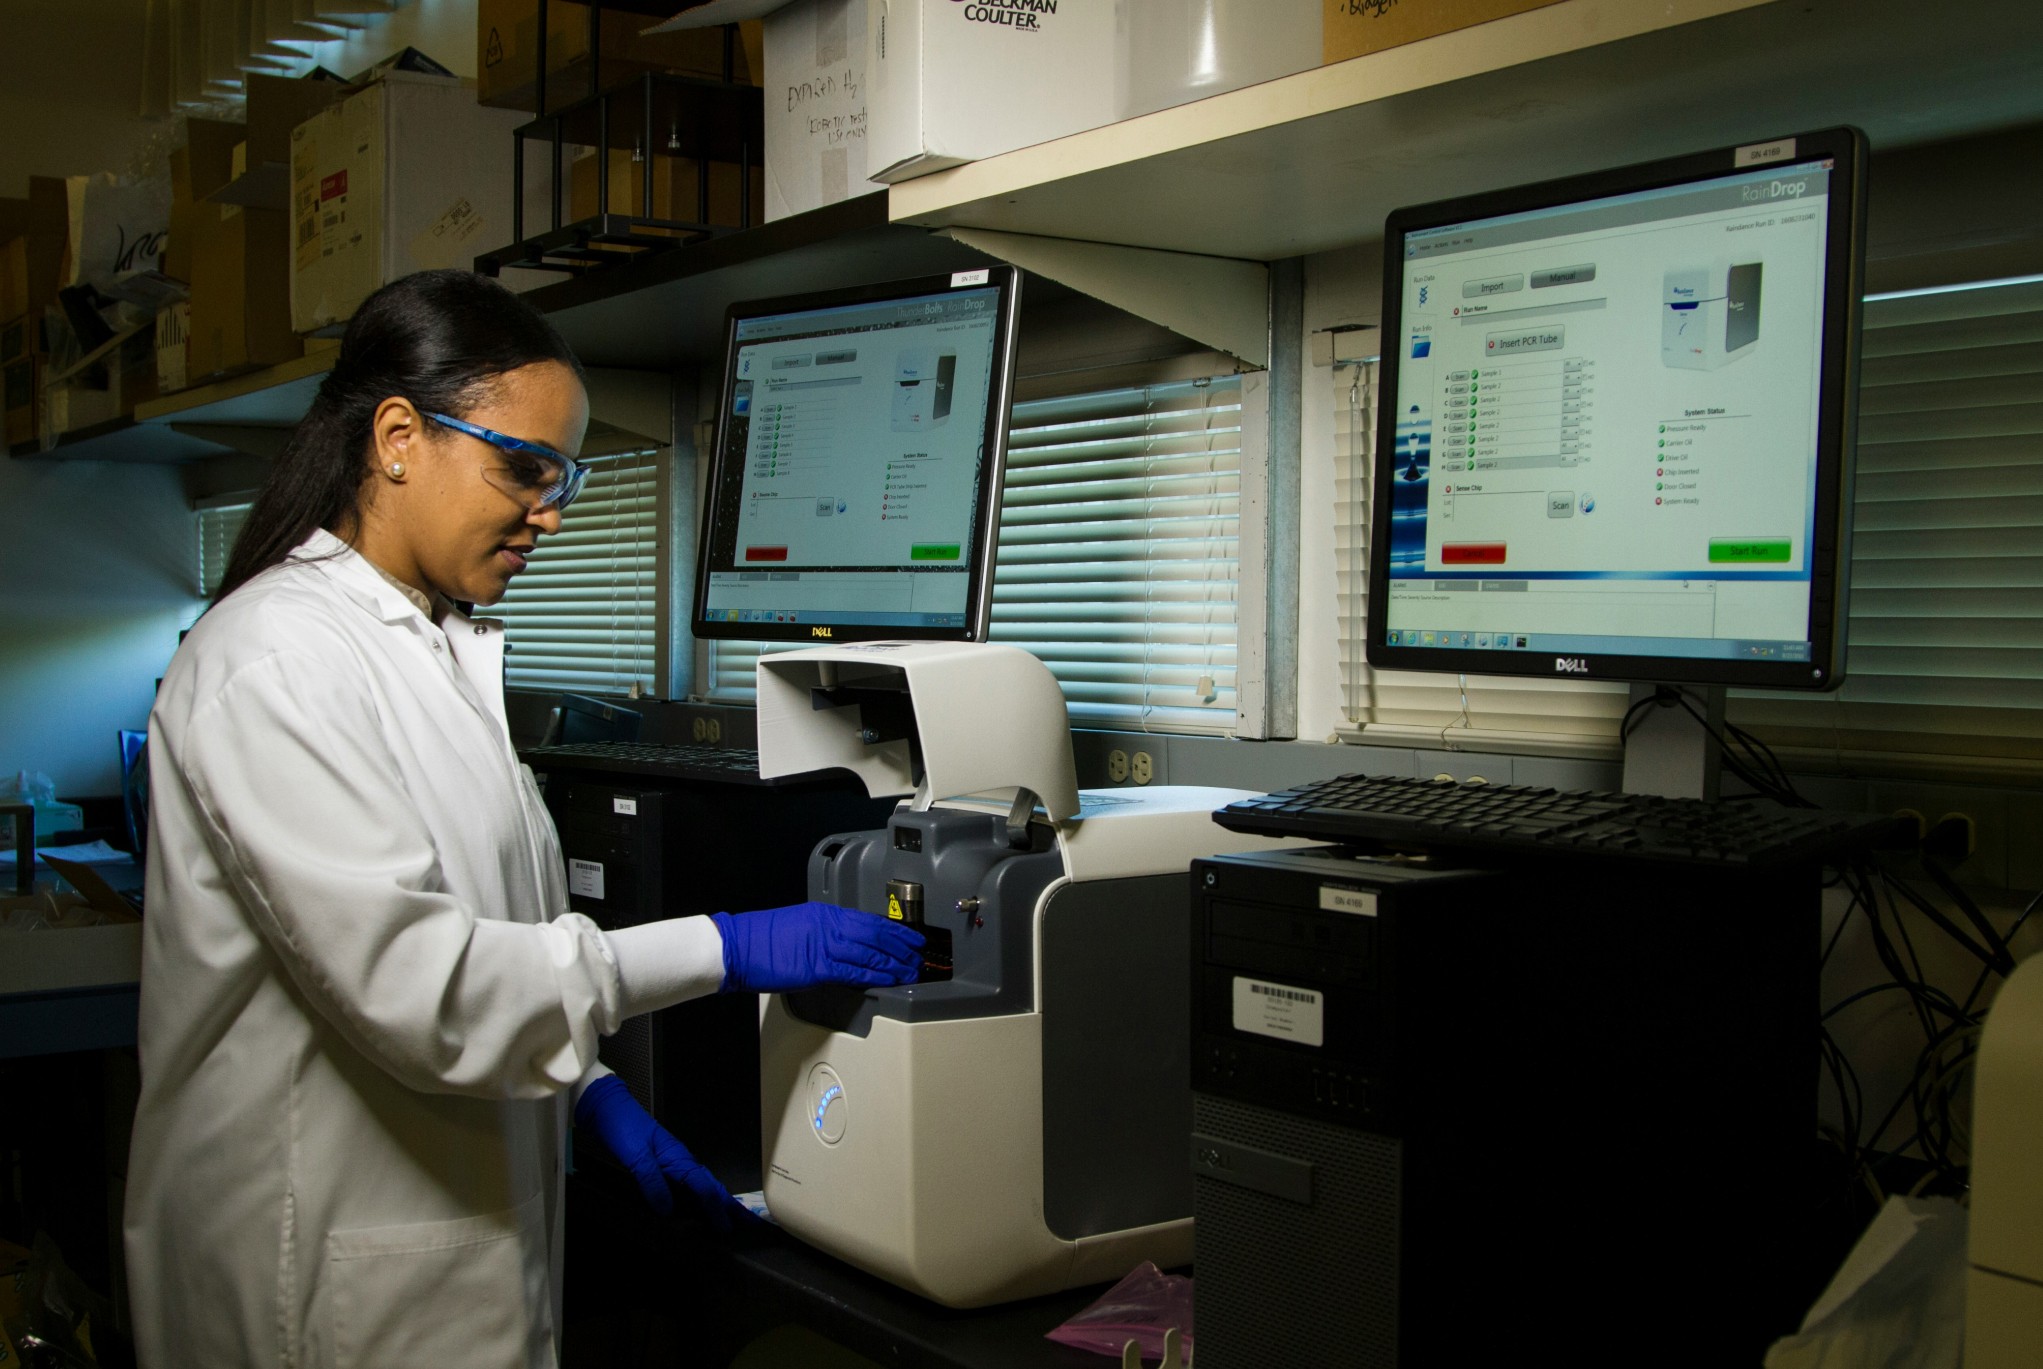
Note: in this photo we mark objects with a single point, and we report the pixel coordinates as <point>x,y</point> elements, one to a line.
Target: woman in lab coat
<point>366,1011</point>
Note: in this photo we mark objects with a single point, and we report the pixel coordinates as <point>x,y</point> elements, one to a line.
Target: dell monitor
<point>861,439</point>
<point>1615,434</point>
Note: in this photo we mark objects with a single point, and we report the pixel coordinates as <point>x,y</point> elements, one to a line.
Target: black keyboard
<point>1507,820</point>
<point>659,760</point>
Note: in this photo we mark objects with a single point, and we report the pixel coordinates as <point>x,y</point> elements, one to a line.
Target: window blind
<point>219,526</point>
<point>1120,548</point>
<point>1409,707</point>
<point>584,615</point>
<point>1119,554</point>
<point>1945,634</point>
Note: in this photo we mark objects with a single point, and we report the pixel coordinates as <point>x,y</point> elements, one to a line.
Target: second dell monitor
<point>1618,432</point>
<point>860,444</point>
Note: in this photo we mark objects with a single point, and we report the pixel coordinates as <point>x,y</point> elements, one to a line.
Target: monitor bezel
<point>1836,436</point>
<point>985,532</point>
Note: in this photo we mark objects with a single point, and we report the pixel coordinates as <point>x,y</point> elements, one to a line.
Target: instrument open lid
<point>932,719</point>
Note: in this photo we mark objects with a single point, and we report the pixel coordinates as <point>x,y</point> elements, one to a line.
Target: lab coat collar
<point>354,575</point>
<point>476,644</point>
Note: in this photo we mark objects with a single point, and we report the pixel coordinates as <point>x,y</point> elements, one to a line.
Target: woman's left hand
<point>654,1157</point>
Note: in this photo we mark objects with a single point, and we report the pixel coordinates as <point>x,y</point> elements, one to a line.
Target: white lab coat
<point>363,999</point>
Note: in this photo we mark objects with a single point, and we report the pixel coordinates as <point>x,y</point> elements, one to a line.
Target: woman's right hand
<point>779,949</point>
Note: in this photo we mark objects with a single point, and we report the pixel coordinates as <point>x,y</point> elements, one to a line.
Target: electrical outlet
<point>1141,768</point>
<point>1117,766</point>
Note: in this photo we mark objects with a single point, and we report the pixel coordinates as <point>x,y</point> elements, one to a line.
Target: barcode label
<point>585,878</point>
<point>1284,1011</point>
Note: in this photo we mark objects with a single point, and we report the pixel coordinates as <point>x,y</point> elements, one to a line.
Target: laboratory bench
<point>650,1293</point>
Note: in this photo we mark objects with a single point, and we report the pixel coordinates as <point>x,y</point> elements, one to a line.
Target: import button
<point>1495,285</point>
<point>1748,551</point>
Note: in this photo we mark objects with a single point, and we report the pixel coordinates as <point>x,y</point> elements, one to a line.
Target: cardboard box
<point>952,83</point>
<point>276,106</point>
<point>241,289</point>
<point>173,347</point>
<point>177,248</point>
<point>18,397</point>
<point>125,377</point>
<point>815,67</point>
<point>507,52</point>
<point>13,278</point>
<point>406,175</point>
<point>71,407</point>
<point>676,193</point>
<point>49,243</point>
<point>815,105</point>
<point>1356,28</point>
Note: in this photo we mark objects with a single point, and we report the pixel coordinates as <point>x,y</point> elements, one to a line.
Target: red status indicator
<point>769,554</point>
<point>1472,553</point>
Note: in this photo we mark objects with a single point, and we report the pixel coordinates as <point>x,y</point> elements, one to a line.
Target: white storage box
<point>954,82</point>
<point>408,175</point>
<point>815,81</point>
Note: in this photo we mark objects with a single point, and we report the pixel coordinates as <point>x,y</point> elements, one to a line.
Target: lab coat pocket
<point>465,1294</point>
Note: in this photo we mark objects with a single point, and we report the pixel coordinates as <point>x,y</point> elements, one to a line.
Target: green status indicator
<point>1745,551</point>
<point>935,551</point>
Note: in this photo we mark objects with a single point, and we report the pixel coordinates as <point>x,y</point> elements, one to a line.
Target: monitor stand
<point>1668,752</point>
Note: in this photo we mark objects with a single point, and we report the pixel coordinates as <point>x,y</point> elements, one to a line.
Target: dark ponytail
<point>438,339</point>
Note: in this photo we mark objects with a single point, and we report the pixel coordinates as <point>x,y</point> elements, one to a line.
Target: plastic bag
<point>1899,1300</point>
<point>38,791</point>
<point>1140,1308</point>
<point>118,224</point>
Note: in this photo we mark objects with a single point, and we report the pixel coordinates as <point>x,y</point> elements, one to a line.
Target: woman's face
<point>464,519</point>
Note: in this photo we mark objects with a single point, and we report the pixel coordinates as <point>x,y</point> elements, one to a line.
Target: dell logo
<point>819,632</point>
<point>1571,665</point>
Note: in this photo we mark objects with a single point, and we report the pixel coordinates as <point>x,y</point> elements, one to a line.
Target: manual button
<point>1564,275</point>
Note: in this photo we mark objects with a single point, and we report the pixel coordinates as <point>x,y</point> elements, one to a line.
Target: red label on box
<point>1472,554</point>
<point>334,186</point>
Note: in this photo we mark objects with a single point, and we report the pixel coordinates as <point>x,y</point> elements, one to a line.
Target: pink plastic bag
<point>1140,1308</point>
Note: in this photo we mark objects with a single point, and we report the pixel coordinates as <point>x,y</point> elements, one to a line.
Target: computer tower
<point>638,850</point>
<point>1445,1116</point>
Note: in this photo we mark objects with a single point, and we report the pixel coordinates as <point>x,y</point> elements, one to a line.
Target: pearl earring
<point>397,470</point>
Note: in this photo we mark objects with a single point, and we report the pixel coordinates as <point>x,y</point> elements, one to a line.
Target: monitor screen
<point>860,444</point>
<point>1615,432</point>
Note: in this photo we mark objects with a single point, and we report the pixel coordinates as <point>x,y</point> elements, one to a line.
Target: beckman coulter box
<point>1709,315</point>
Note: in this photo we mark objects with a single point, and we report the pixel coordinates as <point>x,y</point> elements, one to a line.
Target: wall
<point>71,74</point>
<point>100,565</point>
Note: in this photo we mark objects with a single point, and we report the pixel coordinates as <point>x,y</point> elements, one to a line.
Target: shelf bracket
<point>1220,301</point>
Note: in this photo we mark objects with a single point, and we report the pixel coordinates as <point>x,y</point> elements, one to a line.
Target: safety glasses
<point>533,474</point>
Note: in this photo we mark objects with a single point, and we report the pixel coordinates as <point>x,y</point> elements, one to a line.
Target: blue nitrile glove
<point>779,949</point>
<point>652,1154</point>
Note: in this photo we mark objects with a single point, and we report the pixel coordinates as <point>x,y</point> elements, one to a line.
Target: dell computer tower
<point>1450,1116</point>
